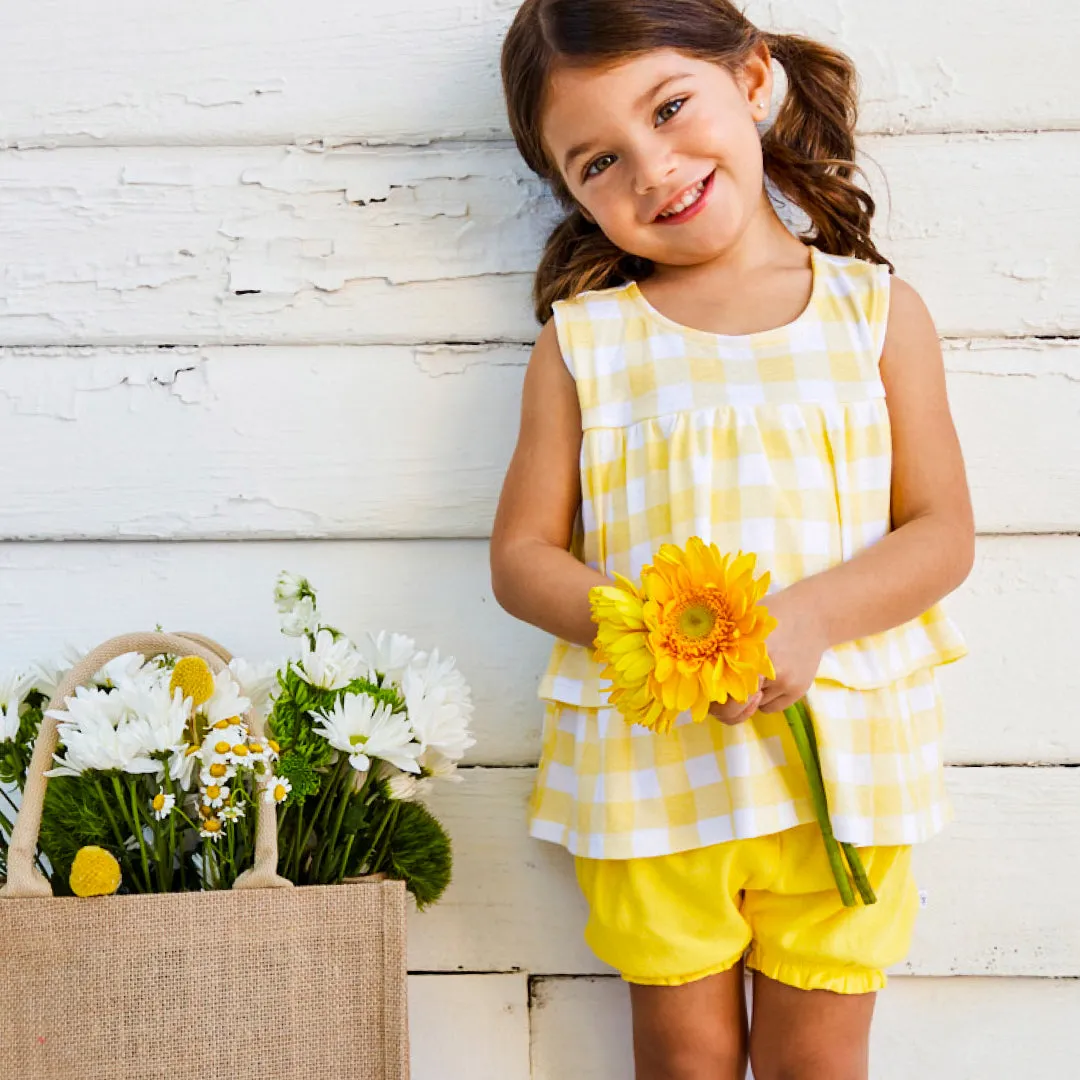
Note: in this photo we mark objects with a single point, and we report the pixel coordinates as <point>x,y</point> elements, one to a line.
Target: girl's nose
<point>653,165</point>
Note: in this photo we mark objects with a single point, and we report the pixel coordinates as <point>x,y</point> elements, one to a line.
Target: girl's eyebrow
<point>583,147</point>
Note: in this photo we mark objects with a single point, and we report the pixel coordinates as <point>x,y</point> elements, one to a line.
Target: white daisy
<point>95,736</point>
<point>220,742</point>
<point>217,772</point>
<point>226,702</point>
<point>211,829</point>
<point>257,682</point>
<point>215,795</point>
<point>364,729</point>
<point>162,805</point>
<point>48,674</point>
<point>330,664</point>
<point>439,705</point>
<point>232,813</point>
<point>276,790</point>
<point>302,619</point>
<point>158,720</point>
<point>403,788</point>
<point>389,654</point>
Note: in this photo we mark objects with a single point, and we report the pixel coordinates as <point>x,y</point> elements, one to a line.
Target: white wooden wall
<point>263,305</point>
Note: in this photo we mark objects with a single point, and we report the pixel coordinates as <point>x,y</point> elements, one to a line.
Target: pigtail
<point>578,257</point>
<point>809,150</point>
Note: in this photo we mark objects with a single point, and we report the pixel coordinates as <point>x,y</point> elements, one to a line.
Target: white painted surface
<point>1002,883</point>
<point>962,1029</point>
<point>276,244</point>
<point>471,1026</point>
<point>243,184</point>
<point>1021,602</point>
<point>410,70</point>
<point>397,442</point>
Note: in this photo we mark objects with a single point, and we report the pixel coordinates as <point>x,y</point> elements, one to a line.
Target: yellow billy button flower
<point>693,634</point>
<point>94,872</point>
<point>193,678</point>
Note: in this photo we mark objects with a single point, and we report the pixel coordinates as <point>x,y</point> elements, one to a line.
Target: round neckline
<point>815,287</point>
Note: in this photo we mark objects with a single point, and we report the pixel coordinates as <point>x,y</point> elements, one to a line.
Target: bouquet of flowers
<point>696,632</point>
<point>158,771</point>
<point>365,729</point>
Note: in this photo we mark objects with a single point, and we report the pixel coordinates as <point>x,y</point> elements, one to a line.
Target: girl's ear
<point>756,79</point>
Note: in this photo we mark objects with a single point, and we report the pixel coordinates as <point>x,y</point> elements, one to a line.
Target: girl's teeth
<point>686,201</point>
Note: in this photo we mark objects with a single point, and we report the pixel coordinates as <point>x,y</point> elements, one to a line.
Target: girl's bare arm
<point>533,574</point>
<point>931,548</point>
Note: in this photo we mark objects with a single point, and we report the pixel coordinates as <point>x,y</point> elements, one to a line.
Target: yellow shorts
<point>672,919</point>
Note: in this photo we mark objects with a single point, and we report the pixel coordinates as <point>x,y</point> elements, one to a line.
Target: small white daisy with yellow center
<point>232,813</point>
<point>162,805</point>
<point>215,795</point>
<point>276,790</point>
<point>211,829</point>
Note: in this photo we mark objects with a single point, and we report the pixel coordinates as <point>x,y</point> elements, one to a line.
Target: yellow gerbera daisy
<point>693,634</point>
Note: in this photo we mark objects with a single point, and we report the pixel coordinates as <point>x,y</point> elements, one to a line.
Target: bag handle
<point>24,880</point>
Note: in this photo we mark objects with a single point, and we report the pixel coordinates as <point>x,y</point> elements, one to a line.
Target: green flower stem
<point>345,860</point>
<point>125,855</point>
<point>851,853</point>
<point>331,783</point>
<point>135,825</point>
<point>391,820</point>
<point>330,836</point>
<point>796,724</point>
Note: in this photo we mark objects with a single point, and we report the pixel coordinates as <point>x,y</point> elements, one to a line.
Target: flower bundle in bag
<point>694,633</point>
<point>109,988</point>
<point>365,729</point>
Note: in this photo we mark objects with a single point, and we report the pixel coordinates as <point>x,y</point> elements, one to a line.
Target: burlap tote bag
<point>265,981</point>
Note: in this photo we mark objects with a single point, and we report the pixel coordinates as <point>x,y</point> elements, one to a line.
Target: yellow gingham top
<point>776,443</point>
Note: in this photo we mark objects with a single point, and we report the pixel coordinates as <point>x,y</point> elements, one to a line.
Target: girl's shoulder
<point>593,302</point>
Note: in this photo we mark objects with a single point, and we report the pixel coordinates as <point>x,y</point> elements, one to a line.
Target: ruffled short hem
<point>683,980</point>
<point>839,980</point>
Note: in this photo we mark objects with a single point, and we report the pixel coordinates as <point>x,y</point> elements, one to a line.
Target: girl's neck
<point>765,243</point>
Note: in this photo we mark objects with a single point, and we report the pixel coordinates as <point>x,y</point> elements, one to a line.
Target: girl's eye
<point>595,168</point>
<point>668,110</point>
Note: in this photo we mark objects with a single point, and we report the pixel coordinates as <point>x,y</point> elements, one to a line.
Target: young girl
<point>707,372</point>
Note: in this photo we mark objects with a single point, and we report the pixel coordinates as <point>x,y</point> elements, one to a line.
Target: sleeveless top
<point>776,443</point>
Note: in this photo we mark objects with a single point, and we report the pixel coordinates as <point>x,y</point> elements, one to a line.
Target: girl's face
<point>662,151</point>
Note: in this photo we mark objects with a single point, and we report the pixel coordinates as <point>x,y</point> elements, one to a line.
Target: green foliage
<point>73,818</point>
<point>420,853</point>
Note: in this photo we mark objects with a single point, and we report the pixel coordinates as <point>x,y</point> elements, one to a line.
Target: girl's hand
<point>795,647</point>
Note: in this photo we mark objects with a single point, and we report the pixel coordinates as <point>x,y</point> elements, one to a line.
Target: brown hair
<point>808,151</point>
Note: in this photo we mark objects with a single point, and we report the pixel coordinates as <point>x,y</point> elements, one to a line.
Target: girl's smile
<point>688,204</point>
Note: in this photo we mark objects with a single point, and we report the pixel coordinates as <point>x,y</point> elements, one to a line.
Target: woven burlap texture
<point>265,981</point>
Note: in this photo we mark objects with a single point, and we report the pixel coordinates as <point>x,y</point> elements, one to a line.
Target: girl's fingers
<point>727,717</point>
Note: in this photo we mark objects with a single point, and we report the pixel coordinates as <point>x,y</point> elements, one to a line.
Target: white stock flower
<point>364,729</point>
<point>302,619</point>
<point>288,589</point>
<point>13,688</point>
<point>390,654</point>
<point>332,664</point>
<point>439,705</point>
<point>257,682</point>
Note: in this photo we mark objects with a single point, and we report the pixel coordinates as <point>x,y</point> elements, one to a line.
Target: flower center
<point>357,740</point>
<point>698,625</point>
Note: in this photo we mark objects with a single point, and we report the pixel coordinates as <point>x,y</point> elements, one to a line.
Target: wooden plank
<point>277,72</point>
<point>266,245</point>
<point>397,442</point>
<point>1020,612</point>
<point>1002,884</point>
<point>935,1029</point>
<point>469,1027</point>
